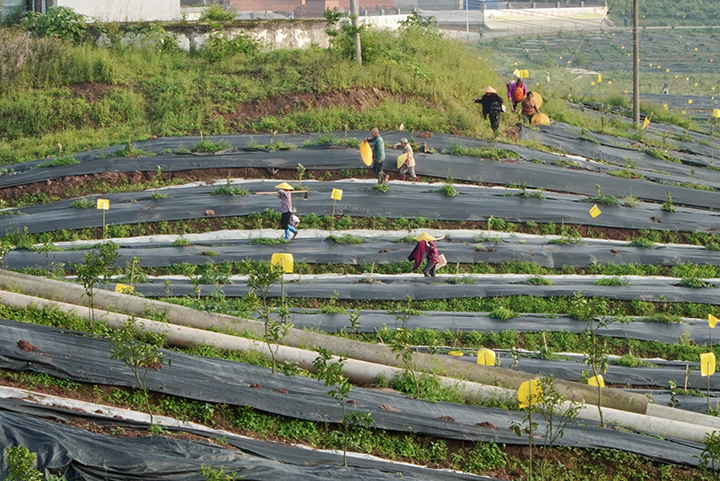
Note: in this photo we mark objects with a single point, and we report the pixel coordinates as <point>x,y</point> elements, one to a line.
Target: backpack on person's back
<point>519,93</point>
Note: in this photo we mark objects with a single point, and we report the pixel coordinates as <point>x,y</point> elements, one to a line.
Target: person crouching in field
<point>529,107</point>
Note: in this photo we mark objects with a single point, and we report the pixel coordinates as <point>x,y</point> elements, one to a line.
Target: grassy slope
<point>82,96</point>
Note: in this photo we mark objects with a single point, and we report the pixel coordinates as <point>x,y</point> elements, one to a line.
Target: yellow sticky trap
<point>696,84</point>
<point>285,261</point>
<point>716,113</point>
<point>592,83</point>
<point>595,211</point>
<point>667,69</point>
<point>486,357</point>
<point>623,47</point>
<point>659,66</point>
<point>696,49</point>
<point>597,381</point>
<point>665,106</point>
<point>103,204</point>
<point>707,364</point>
<point>530,393</point>
<point>689,101</point>
<point>124,289</point>
<point>599,78</point>
<point>683,112</point>
<point>646,122</point>
<point>336,194</point>
<point>687,78</point>
<point>676,76</point>
<point>456,353</point>
<point>712,320</point>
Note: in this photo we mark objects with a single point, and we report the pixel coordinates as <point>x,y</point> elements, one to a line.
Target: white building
<point>104,10</point>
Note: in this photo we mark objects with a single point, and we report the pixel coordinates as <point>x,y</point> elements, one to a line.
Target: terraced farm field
<point>531,275</point>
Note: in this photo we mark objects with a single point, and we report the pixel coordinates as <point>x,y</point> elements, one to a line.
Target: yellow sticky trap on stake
<point>597,381</point>
<point>486,357</point>
<point>599,78</point>
<point>667,69</point>
<point>646,122</point>
<point>689,101</point>
<point>124,289</point>
<point>103,204</point>
<point>716,113</point>
<point>285,261</point>
<point>592,83</point>
<point>609,82</point>
<point>712,320</point>
<point>683,112</point>
<point>595,211</point>
<point>336,194</point>
<point>707,364</point>
<point>665,106</point>
<point>530,393</point>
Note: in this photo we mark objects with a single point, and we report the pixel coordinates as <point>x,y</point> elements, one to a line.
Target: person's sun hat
<point>285,186</point>
<point>488,90</point>
<point>425,237</point>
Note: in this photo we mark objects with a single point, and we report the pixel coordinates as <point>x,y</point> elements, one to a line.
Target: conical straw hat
<point>285,186</point>
<point>424,237</point>
<point>488,90</point>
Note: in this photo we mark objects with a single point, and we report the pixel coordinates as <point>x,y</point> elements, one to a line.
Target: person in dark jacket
<point>492,105</point>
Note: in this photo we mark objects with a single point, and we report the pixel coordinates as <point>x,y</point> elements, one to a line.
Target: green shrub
<point>218,13</point>
<point>60,22</point>
<point>217,47</point>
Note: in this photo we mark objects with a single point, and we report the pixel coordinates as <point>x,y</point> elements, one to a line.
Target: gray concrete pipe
<point>667,422</point>
<point>375,353</point>
<point>358,372</point>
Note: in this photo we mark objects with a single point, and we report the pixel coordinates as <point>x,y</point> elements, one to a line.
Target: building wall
<point>125,10</point>
<point>273,34</point>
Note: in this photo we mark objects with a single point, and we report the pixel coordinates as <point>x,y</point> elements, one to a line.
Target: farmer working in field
<point>409,164</point>
<point>516,92</point>
<point>528,107</point>
<point>492,105</point>
<point>286,209</point>
<point>378,153</point>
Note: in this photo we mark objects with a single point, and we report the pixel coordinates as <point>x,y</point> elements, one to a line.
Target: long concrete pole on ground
<point>376,353</point>
<point>636,62</point>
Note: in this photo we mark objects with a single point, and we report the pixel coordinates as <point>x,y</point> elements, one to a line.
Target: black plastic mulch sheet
<point>370,321</point>
<point>359,200</point>
<point>521,171</point>
<point>417,287</point>
<point>82,358</point>
<point>78,454</point>
<point>657,375</point>
<point>379,251</point>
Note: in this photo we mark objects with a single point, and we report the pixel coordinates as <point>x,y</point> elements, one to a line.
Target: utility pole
<point>467,20</point>
<point>354,17</point>
<point>636,63</point>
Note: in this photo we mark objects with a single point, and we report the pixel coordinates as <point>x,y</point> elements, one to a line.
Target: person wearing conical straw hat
<point>492,105</point>
<point>425,247</point>
<point>286,209</point>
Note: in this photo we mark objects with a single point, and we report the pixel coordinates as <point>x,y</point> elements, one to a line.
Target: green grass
<point>168,93</point>
<point>60,161</point>
<point>346,239</point>
<point>266,241</point>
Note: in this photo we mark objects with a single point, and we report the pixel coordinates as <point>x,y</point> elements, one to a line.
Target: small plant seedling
<point>668,206</point>
<point>447,189</point>
<point>139,356</point>
<point>96,269</point>
<point>261,278</point>
<point>603,199</point>
<point>331,373</point>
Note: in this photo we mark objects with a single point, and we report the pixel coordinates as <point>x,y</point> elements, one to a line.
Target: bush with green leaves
<point>218,46</point>
<point>218,13</point>
<point>96,269</point>
<point>59,22</point>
